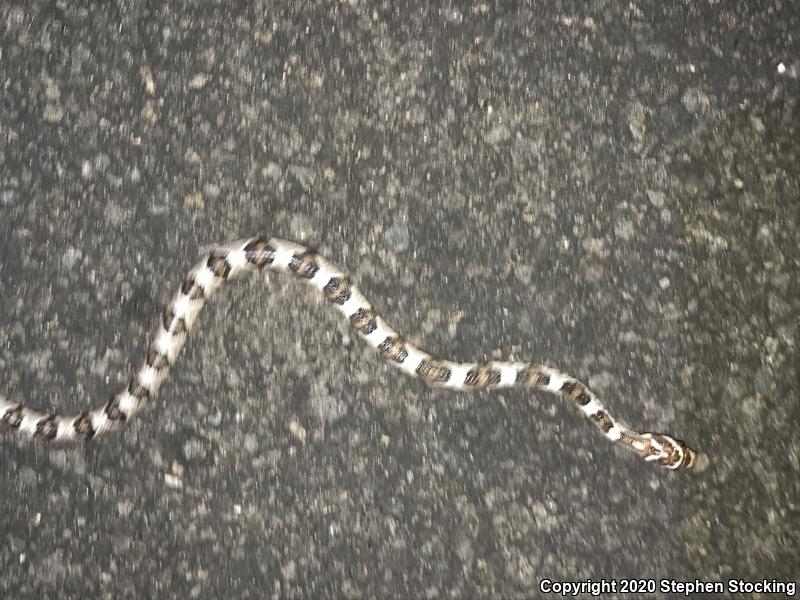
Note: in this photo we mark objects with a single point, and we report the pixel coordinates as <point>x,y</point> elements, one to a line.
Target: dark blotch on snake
<point>394,349</point>
<point>363,321</point>
<point>603,420</point>
<point>482,376</point>
<point>46,428</point>
<point>137,390</point>
<point>532,376</point>
<point>157,360</point>
<point>304,265</point>
<point>191,288</point>
<point>259,252</point>
<point>83,426</point>
<point>432,372</point>
<point>219,265</point>
<point>337,290</point>
<point>113,411</point>
<point>577,392</point>
<point>171,324</point>
<point>13,416</point>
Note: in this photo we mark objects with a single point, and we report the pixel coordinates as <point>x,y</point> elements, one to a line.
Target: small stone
<point>53,113</point>
<point>101,162</point>
<point>304,176</point>
<point>211,190</point>
<point>656,198</point>
<point>695,101</point>
<point>51,91</point>
<point>272,171</point>
<point>498,135</point>
<point>198,81</point>
<point>191,156</point>
<point>147,78</point>
<point>71,257</point>
<point>298,431</point>
<point>194,200</point>
<point>172,481</point>
<point>250,443</point>
<point>398,237</point>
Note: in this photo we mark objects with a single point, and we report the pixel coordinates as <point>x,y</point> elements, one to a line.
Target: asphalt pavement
<point>612,189</point>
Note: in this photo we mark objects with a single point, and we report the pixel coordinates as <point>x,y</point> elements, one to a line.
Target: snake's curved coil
<point>226,261</point>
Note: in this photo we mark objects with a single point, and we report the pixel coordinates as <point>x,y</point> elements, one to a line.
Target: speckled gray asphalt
<point>613,190</point>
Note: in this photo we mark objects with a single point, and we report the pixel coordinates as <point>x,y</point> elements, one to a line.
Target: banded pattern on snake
<point>226,261</point>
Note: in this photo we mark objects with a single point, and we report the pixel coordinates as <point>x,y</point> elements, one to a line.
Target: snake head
<point>671,453</point>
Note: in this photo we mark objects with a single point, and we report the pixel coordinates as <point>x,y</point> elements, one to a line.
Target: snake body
<point>226,261</point>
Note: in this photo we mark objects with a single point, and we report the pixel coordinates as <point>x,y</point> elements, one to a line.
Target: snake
<point>226,261</point>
